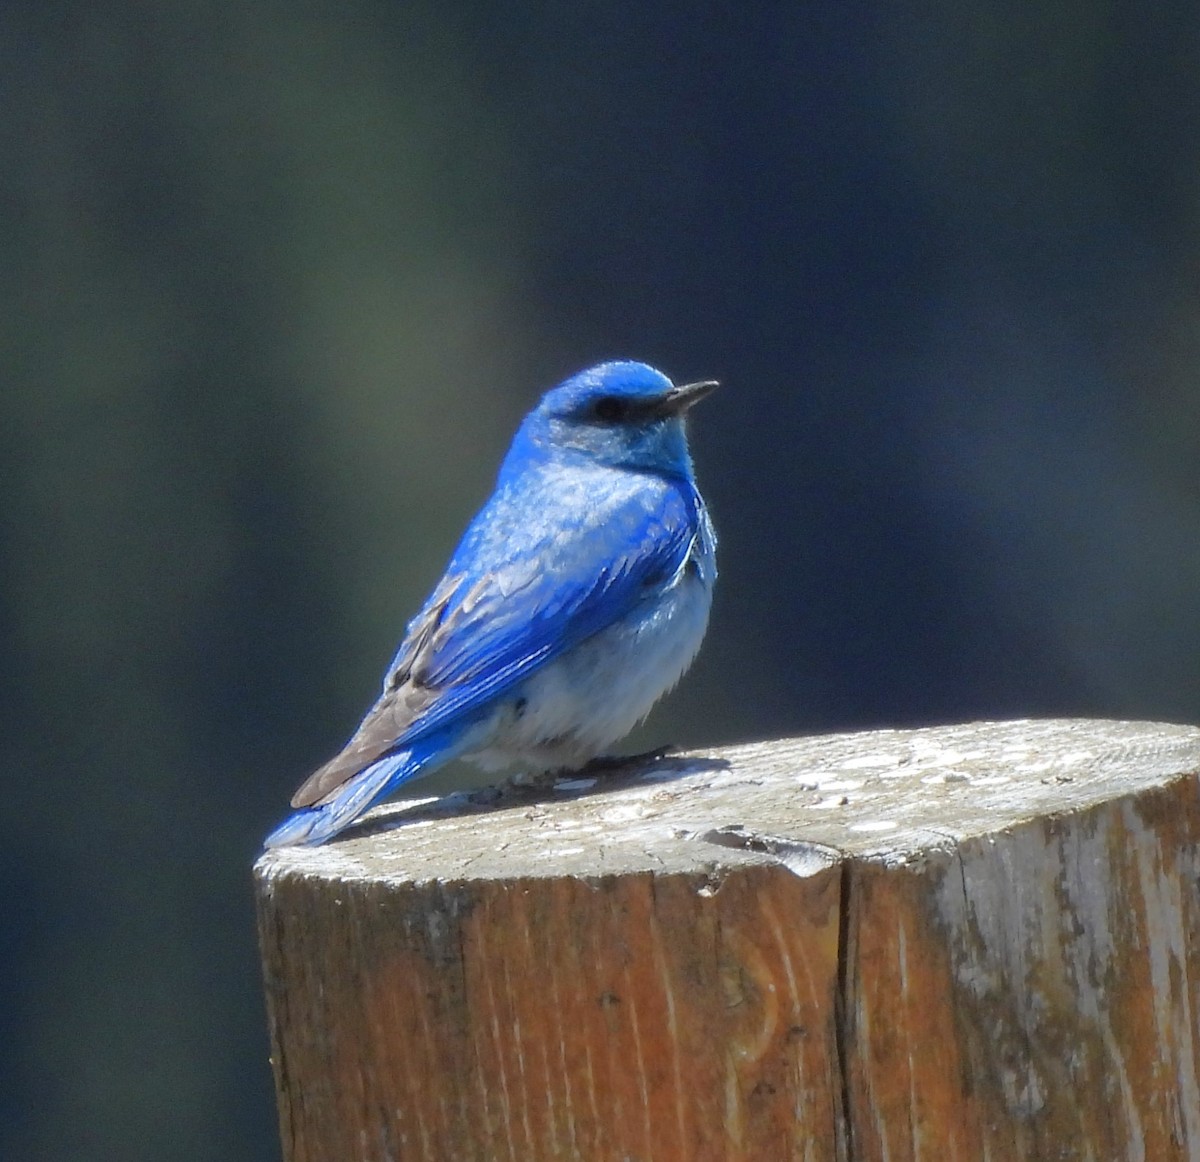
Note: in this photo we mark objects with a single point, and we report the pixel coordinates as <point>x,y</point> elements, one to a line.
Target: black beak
<point>679,399</point>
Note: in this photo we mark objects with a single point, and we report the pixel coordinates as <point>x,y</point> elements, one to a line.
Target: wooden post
<point>970,942</point>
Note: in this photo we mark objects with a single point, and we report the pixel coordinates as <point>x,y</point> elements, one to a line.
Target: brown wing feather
<point>404,699</point>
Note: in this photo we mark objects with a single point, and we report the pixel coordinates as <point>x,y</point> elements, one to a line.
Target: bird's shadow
<point>599,776</point>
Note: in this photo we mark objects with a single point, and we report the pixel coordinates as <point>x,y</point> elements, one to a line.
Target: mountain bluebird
<point>576,598</point>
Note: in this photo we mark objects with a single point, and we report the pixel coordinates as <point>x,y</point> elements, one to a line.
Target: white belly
<point>582,703</point>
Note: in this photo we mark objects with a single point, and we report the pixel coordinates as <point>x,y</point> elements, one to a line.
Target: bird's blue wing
<point>512,613</point>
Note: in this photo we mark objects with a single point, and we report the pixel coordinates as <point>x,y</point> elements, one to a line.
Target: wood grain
<point>973,942</point>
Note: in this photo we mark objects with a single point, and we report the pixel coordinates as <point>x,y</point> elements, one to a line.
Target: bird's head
<point>623,415</point>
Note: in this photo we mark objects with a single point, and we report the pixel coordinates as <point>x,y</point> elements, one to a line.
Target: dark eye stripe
<point>611,409</point>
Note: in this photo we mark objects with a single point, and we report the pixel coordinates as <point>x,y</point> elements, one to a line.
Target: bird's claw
<point>608,763</point>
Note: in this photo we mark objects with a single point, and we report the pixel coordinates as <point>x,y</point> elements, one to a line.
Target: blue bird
<point>576,598</point>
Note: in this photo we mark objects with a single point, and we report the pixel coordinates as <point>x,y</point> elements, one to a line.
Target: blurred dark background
<point>279,279</point>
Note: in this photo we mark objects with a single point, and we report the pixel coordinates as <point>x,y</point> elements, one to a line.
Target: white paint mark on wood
<point>564,1071</point>
<point>518,1043</point>
<point>479,1028</point>
<point>871,761</point>
<point>590,1073</point>
<point>640,1060</point>
<point>664,976</point>
<point>498,1043</point>
<point>624,813</point>
<point>429,1053</point>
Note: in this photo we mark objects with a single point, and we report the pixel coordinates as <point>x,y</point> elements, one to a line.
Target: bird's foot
<point>526,781</point>
<point>608,763</point>
<point>537,780</point>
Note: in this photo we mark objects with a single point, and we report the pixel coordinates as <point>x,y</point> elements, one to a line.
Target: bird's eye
<point>610,409</point>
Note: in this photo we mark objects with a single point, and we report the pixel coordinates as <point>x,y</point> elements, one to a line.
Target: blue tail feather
<point>312,825</point>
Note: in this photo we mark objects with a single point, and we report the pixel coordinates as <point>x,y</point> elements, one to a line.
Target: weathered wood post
<point>971,942</point>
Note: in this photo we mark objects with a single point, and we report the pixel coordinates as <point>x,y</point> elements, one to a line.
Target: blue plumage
<point>577,597</point>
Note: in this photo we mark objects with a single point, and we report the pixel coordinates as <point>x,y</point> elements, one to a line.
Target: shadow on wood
<point>964,943</point>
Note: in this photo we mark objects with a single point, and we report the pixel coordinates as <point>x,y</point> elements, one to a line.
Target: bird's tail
<point>323,820</point>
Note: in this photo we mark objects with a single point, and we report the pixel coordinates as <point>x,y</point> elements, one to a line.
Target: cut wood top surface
<point>805,802</point>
